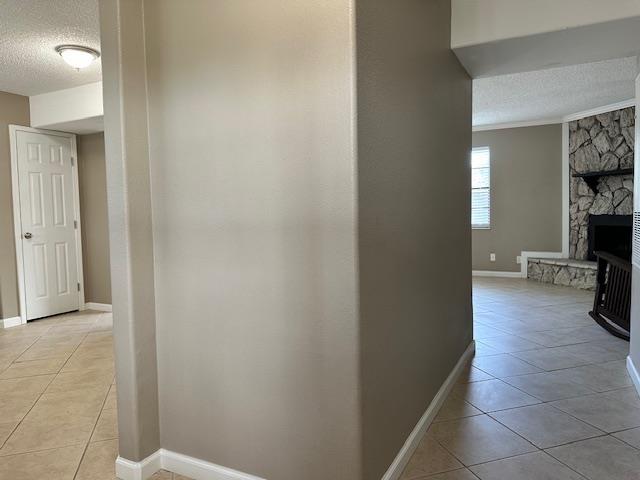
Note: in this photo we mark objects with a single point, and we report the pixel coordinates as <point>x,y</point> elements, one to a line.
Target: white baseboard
<point>410,445</point>
<point>101,307</point>
<point>633,373</point>
<point>128,470</point>
<point>10,322</point>
<point>492,273</point>
<point>525,256</point>
<point>177,463</point>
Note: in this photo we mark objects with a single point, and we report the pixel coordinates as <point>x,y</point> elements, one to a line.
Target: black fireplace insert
<point>611,234</point>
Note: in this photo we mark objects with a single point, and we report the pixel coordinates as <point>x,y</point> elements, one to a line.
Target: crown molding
<point>598,110</point>
<point>531,123</point>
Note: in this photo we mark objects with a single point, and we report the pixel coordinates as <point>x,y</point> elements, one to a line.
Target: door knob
<point>28,235</point>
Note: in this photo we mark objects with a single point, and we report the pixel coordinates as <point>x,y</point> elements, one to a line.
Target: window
<point>480,188</point>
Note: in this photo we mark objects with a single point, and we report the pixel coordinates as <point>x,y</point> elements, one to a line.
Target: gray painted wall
<point>251,123</point>
<point>526,195</point>
<point>93,213</point>
<point>14,109</point>
<point>130,226</point>
<point>414,139</point>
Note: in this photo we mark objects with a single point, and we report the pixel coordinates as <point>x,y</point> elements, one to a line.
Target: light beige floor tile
<point>162,475</point>
<point>472,374</point>
<point>602,411</point>
<point>545,426</point>
<point>36,384</point>
<point>628,395</point>
<point>112,400</point>
<point>55,464</point>
<point>594,352</point>
<point>107,426</point>
<point>602,377</point>
<point>33,368</point>
<point>98,462</point>
<point>429,458</point>
<point>57,420</point>
<point>508,343</point>
<point>462,474</point>
<point>479,439</point>
<point>454,408</point>
<point>485,331</point>
<point>44,352</point>
<point>602,458</point>
<point>493,395</point>
<point>504,365</point>
<point>80,363</point>
<point>632,437</point>
<point>532,466</point>
<point>482,349</point>
<point>34,437</point>
<point>547,386</point>
<point>80,380</point>
<point>13,407</point>
<point>5,431</point>
<point>551,359</point>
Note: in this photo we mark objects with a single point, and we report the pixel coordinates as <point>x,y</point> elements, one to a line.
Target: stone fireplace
<point>601,144</point>
<point>601,157</point>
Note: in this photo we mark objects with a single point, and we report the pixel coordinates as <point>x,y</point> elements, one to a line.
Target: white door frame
<point>17,220</point>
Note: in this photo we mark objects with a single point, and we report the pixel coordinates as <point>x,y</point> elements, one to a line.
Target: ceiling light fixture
<point>76,56</point>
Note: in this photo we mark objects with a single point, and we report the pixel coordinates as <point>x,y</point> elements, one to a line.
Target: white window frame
<point>486,226</point>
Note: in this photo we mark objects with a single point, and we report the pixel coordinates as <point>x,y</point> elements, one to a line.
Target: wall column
<point>130,225</point>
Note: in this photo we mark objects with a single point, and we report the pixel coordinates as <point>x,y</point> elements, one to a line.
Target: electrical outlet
<point>518,259</point>
<point>492,257</point>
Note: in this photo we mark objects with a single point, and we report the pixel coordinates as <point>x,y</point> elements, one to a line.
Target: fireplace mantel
<point>591,178</point>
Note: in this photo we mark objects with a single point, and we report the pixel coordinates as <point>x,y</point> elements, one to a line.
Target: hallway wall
<point>14,109</point>
<point>414,141</point>
<point>93,213</point>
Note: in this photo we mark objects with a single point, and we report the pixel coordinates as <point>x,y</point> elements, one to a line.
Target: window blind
<point>480,187</point>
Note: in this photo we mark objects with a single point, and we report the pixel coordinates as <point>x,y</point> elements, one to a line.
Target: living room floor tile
<point>602,458</point>
<point>531,466</point>
<point>545,426</point>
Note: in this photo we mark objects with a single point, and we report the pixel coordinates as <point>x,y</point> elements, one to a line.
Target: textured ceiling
<point>29,32</point>
<point>552,93</point>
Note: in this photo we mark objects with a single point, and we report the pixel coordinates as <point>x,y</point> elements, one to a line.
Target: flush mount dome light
<point>76,56</point>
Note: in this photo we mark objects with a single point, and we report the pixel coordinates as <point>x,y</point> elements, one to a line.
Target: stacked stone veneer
<point>600,142</point>
<point>570,273</point>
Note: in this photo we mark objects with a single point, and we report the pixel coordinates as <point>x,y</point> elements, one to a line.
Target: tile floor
<point>546,397</point>
<point>58,400</point>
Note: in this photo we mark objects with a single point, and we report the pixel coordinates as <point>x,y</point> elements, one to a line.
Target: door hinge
<point>78,286</point>
<point>75,224</point>
<point>73,162</point>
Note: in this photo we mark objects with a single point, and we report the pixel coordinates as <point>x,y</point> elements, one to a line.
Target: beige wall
<point>526,195</point>
<point>93,213</point>
<point>251,119</point>
<point>130,226</point>
<point>14,109</point>
<point>414,139</point>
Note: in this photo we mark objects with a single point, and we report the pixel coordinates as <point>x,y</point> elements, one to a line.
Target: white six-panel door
<point>47,222</point>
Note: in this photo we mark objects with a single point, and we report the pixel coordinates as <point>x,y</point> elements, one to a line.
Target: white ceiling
<point>29,32</point>
<point>552,93</point>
